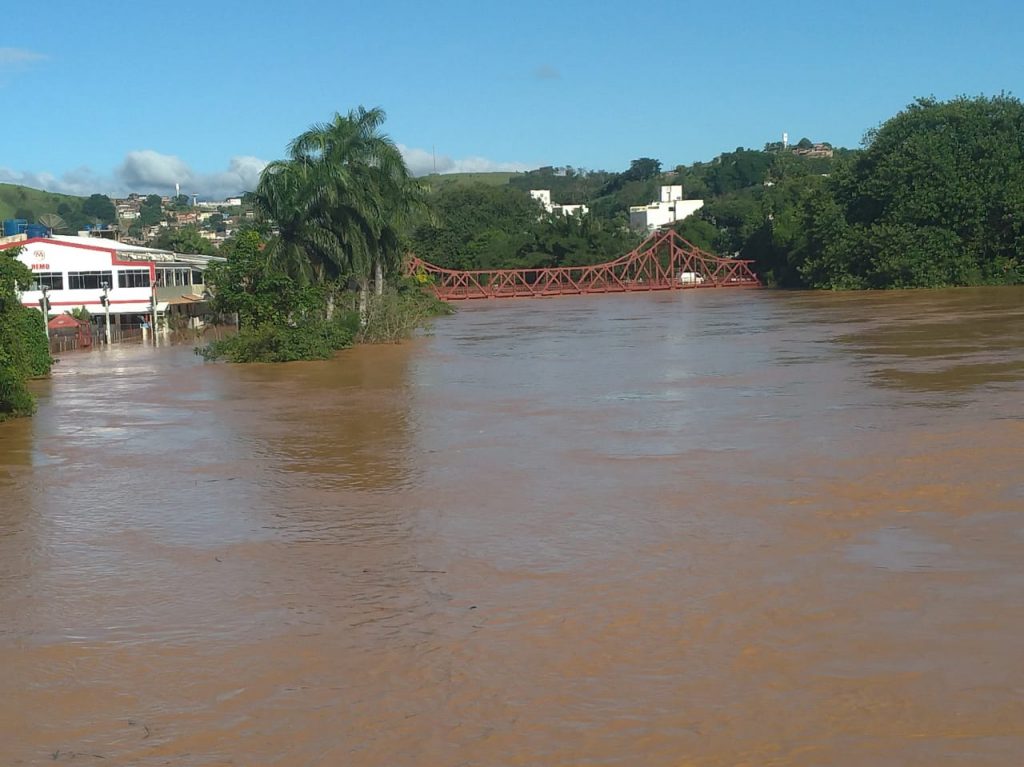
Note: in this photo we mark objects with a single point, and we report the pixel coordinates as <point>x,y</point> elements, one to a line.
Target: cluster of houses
<point>215,221</point>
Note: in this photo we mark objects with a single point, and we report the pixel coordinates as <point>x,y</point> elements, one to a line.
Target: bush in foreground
<point>24,352</point>
<point>398,313</point>
<point>286,343</point>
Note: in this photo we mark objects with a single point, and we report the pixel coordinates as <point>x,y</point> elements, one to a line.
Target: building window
<point>133,278</point>
<point>49,280</point>
<point>173,276</point>
<point>89,280</point>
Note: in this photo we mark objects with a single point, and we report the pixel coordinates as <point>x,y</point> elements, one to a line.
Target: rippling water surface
<point>713,528</point>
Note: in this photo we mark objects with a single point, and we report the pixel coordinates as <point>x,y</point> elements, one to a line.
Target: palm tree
<point>340,201</point>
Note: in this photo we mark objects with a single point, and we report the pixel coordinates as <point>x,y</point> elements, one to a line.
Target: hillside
<point>16,199</point>
<point>437,181</point>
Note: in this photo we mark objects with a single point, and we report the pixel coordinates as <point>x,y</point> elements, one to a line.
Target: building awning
<point>179,300</point>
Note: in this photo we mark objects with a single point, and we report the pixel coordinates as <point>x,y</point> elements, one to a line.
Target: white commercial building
<point>138,280</point>
<point>543,196</point>
<point>670,208</point>
<point>230,202</point>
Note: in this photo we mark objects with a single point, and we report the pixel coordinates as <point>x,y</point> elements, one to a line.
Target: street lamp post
<point>105,300</point>
<point>44,305</point>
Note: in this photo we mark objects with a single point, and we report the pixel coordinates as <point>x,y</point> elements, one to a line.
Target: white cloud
<point>146,171</point>
<point>80,181</point>
<point>12,57</point>
<point>421,162</point>
<point>16,60</point>
<point>242,175</point>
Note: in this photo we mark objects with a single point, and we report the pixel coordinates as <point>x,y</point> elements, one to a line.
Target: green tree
<point>642,169</point>
<point>99,207</point>
<point>252,286</point>
<point>340,201</point>
<point>151,211</point>
<point>936,198</point>
<point>187,239</point>
<point>24,352</point>
<point>477,227</point>
<point>279,319</point>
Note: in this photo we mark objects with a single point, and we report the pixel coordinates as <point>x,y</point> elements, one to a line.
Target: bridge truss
<point>664,261</point>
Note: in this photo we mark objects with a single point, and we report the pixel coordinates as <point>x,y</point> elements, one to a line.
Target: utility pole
<point>105,300</point>
<point>44,304</point>
<point>152,305</point>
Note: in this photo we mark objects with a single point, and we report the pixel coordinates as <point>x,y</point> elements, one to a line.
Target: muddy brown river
<point>710,528</point>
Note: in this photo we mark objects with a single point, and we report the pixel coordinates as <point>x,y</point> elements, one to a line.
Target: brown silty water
<point>710,528</point>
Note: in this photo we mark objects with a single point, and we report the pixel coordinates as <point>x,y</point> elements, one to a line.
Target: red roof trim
<point>100,248</point>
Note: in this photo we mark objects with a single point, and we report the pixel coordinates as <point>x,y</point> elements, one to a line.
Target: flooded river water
<point>710,528</point>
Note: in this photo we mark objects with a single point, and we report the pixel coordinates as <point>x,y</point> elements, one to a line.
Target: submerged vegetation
<point>24,352</point>
<point>337,209</point>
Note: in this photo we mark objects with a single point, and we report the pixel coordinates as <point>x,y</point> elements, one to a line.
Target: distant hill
<point>438,181</point>
<point>22,199</point>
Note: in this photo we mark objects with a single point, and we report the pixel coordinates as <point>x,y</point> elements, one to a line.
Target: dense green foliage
<point>253,286</point>
<point>150,211</point>
<point>480,227</point>
<point>486,227</point>
<point>339,202</point>
<point>337,208</point>
<point>279,319</point>
<point>24,353</point>
<point>70,213</point>
<point>186,239</point>
<point>935,199</point>
<point>316,340</point>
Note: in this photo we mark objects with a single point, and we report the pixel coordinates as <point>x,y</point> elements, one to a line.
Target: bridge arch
<point>664,261</point>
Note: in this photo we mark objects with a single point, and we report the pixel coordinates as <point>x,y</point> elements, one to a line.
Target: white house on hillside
<point>544,197</point>
<point>670,208</point>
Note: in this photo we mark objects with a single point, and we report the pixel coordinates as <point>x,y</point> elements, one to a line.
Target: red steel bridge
<point>664,261</point>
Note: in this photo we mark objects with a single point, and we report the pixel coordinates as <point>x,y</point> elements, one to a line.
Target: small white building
<point>543,196</point>
<point>230,202</point>
<point>670,208</point>
<point>74,271</point>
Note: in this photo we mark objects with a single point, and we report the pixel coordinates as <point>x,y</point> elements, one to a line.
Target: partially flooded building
<point>139,284</point>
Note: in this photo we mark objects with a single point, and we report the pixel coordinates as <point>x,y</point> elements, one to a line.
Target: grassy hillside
<point>438,181</point>
<point>14,198</point>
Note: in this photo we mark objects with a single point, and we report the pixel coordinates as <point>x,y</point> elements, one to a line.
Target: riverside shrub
<point>286,343</point>
<point>24,352</point>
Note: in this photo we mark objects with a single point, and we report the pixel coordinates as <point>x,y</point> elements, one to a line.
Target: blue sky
<point>117,96</point>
